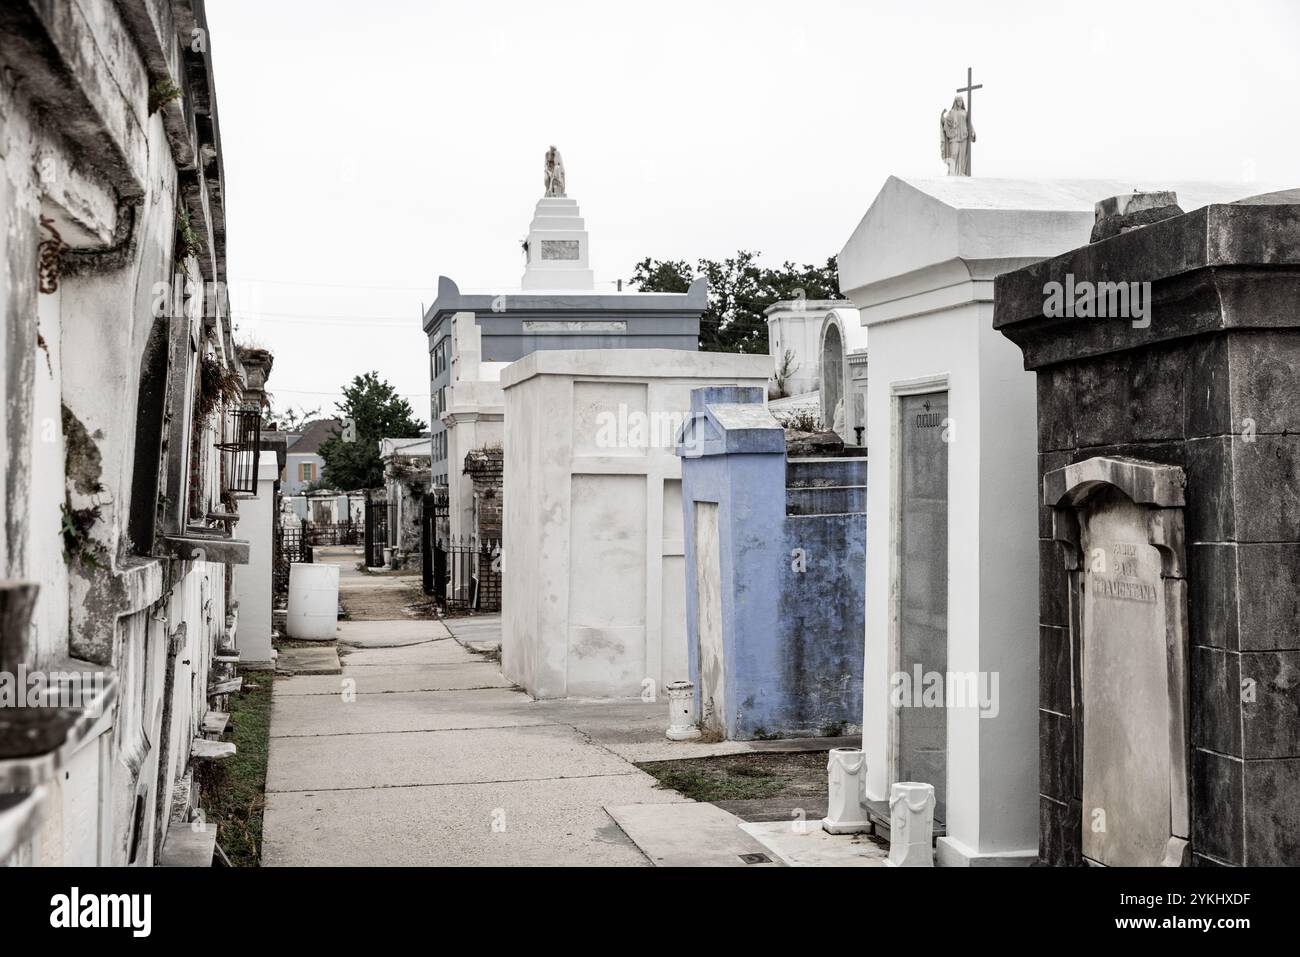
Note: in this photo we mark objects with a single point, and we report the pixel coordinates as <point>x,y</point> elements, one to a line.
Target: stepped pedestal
<point>557,247</point>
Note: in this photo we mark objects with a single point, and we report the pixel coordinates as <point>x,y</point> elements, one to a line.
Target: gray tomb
<point>1169,581</point>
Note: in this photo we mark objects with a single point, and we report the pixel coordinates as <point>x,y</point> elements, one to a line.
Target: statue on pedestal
<point>553,171</point>
<point>956,134</point>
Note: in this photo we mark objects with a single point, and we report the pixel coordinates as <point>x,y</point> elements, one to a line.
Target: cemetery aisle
<point>420,753</point>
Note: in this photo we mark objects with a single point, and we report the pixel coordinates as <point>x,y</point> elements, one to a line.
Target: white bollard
<point>911,824</point>
<point>846,773</point>
<point>681,711</point>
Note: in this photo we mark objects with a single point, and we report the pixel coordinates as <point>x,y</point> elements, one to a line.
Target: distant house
<point>303,462</point>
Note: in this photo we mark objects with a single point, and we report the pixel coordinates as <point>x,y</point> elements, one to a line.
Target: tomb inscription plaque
<point>560,249</point>
<point>1121,521</point>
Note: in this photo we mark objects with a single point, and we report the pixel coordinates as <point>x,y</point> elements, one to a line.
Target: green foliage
<point>162,93</point>
<point>234,791</point>
<point>78,546</point>
<point>742,777</point>
<point>784,369</point>
<point>739,291</point>
<point>803,420</point>
<point>187,240</point>
<point>291,419</point>
<point>217,384</point>
<point>377,412</point>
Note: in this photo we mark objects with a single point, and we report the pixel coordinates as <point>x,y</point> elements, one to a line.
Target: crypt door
<point>920,726</point>
<point>708,602</point>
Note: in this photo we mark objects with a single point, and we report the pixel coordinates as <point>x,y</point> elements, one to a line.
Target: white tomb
<point>796,325</point>
<point>843,340</point>
<point>557,247</point>
<point>952,506</point>
<point>474,416</point>
<point>593,570</point>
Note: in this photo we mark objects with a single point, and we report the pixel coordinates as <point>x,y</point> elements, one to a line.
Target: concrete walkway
<point>420,753</point>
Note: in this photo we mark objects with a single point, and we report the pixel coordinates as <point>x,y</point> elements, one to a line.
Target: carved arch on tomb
<point>1120,524</point>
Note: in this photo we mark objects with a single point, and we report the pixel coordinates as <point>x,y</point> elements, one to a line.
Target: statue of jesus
<point>956,134</point>
<point>553,171</point>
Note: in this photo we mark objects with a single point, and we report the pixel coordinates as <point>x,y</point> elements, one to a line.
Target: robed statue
<point>554,173</point>
<point>955,137</point>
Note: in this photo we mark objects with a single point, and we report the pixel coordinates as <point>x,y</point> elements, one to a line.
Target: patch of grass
<point>738,777</point>
<point>234,792</point>
<point>300,643</point>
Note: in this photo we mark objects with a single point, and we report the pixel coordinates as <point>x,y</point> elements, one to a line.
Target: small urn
<point>846,778</point>
<point>681,711</point>
<point>911,824</point>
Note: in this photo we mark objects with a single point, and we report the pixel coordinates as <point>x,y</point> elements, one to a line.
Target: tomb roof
<point>916,224</point>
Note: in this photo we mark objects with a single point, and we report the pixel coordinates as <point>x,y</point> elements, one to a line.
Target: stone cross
<point>969,89</point>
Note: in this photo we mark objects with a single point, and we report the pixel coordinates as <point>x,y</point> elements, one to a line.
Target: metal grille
<point>376,533</point>
<point>334,533</point>
<point>291,545</point>
<point>242,449</point>
<point>433,509</point>
<point>467,574</point>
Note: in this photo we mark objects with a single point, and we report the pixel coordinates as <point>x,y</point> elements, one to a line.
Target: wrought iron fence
<point>291,545</point>
<point>433,509</point>
<point>376,532</point>
<point>467,573</point>
<point>335,533</point>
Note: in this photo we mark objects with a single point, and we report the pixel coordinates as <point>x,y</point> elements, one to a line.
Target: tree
<point>371,410</point>
<point>291,419</point>
<point>739,292</point>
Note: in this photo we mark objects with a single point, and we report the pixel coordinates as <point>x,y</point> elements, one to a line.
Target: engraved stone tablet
<point>1122,522</point>
<point>1125,689</point>
<point>560,249</point>
<point>575,325</point>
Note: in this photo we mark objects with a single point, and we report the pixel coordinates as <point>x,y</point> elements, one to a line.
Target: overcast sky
<point>370,147</point>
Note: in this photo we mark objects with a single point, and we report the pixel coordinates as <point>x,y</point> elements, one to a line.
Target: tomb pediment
<point>917,224</point>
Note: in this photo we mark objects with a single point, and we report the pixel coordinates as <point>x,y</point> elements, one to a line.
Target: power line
<point>337,319</point>
<point>405,395</point>
<point>329,285</point>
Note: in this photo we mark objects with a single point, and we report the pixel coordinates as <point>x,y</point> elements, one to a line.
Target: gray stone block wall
<point>1211,385</point>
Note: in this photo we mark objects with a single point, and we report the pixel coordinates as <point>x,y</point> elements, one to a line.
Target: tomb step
<point>878,815</point>
<point>844,500</point>
<point>806,844</point>
<point>182,799</point>
<point>214,722</point>
<point>226,687</point>
<point>201,749</point>
<point>187,847</point>
<point>813,473</point>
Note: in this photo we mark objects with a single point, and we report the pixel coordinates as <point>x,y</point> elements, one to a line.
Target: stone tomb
<point>775,553</point>
<point>843,391</point>
<point>951,537</point>
<point>593,567</point>
<point>1191,411</point>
